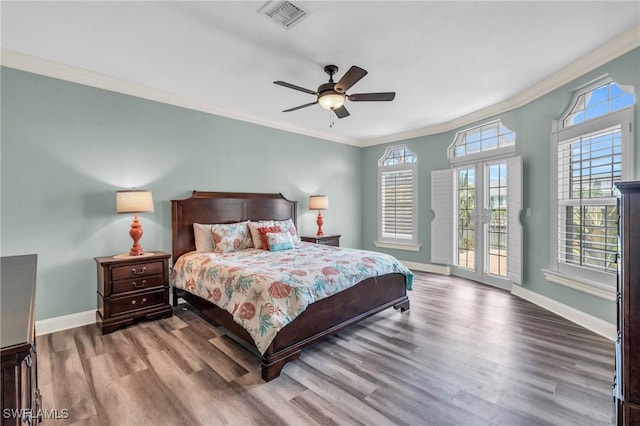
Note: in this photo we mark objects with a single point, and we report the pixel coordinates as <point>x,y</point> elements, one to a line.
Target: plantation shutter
<point>514,227</point>
<point>588,167</point>
<point>397,193</point>
<point>442,224</point>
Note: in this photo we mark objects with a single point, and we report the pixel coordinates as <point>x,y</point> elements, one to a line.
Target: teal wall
<point>533,125</point>
<point>66,149</point>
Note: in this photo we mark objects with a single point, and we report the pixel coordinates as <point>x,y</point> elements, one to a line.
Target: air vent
<point>283,13</point>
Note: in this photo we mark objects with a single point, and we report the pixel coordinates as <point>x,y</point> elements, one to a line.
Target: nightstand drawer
<point>139,283</point>
<point>333,242</point>
<point>142,301</point>
<point>136,270</point>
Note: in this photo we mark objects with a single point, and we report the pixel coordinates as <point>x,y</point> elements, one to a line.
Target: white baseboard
<point>589,322</point>
<point>65,322</point>
<point>598,326</point>
<point>427,267</point>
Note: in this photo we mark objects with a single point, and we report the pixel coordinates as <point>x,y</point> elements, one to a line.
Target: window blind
<point>588,166</point>
<point>397,204</point>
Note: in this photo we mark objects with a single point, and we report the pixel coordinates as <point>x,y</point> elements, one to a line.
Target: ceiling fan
<point>332,95</point>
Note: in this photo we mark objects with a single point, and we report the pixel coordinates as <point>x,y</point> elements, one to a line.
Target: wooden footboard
<point>320,319</point>
<point>330,315</point>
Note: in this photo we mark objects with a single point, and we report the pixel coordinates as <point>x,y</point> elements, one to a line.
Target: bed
<point>321,318</point>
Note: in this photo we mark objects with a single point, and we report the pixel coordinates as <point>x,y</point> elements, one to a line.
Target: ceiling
<point>445,60</point>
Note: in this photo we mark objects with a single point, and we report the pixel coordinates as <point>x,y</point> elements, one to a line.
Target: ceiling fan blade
<point>341,112</point>
<point>365,97</point>
<point>349,79</point>
<point>300,107</point>
<point>294,87</point>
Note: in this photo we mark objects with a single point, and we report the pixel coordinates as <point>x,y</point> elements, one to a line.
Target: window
<point>589,165</point>
<point>607,97</point>
<point>594,150</point>
<point>478,140</point>
<point>397,189</point>
<point>477,203</point>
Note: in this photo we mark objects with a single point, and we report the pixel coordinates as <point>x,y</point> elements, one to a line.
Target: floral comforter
<point>264,291</point>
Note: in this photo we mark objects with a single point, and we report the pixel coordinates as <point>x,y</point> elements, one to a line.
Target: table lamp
<point>319,202</point>
<point>134,201</point>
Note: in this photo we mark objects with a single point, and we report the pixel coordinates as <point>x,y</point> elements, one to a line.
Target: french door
<point>476,228</point>
<point>481,222</point>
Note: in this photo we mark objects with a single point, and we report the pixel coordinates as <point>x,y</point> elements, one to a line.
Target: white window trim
<point>600,284</point>
<point>603,291</point>
<point>589,87</point>
<point>397,246</point>
<point>398,243</point>
<point>504,151</point>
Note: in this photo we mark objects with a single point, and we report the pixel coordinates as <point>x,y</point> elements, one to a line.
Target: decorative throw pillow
<point>203,237</point>
<point>288,226</point>
<point>263,235</point>
<point>255,235</point>
<point>231,237</point>
<point>279,241</point>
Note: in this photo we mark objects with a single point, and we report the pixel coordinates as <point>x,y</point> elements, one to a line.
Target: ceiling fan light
<point>331,100</point>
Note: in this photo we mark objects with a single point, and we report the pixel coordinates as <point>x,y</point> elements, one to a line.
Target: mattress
<point>264,291</point>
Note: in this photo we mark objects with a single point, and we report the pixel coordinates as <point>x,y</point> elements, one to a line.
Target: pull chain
<point>331,119</point>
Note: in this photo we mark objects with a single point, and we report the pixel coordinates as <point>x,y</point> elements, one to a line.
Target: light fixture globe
<point>328,98</point>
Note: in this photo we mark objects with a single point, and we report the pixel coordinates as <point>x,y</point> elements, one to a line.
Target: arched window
<point>398,199</point>
<point>482,141</point>
<point>606,97</point>
<point>594,150</point>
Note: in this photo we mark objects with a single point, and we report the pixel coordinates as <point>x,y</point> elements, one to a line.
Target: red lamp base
<point>320,222</point>
<point>136,235</point>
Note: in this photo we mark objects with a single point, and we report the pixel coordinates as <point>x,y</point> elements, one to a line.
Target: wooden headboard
<point>223,207</point>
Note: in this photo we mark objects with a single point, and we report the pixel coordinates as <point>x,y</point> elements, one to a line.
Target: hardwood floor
<point>464,354</point>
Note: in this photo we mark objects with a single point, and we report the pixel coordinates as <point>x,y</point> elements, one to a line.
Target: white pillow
<point>203,237</point>
<point>288,226</point>
<point>255,234</point>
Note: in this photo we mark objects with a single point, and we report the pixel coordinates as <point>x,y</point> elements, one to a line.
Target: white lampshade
<point>331,101</point>
<point>134,201</point>
<point>318,202</point>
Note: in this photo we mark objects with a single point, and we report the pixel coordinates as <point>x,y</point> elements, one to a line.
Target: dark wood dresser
<point>627,379</point>
<point>21,403</point>
<point>327,240</point>
<point>132,287</point>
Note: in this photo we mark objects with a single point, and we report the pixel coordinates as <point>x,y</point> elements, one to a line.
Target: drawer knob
<point>136,285</point>
<point>133,302</point>
<point>136,272</point>
<point>144,300</point>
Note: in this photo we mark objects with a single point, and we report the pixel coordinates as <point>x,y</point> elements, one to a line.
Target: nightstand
<point>132,287</point>
<point>327,240</point>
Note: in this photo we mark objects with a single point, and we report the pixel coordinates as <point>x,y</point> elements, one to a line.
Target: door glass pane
<point>466,227</point>
<point>496,212</point>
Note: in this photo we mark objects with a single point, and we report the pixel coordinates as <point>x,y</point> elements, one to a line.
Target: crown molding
<point>33,64</point>
<point>609,51</point>
<point>614,48</point>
